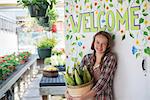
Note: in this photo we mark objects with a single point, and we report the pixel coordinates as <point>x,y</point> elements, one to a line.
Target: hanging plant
<point>37,8</point>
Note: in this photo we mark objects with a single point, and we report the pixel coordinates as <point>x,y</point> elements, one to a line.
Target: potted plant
<point>44,47</point>
<point>37,7</point>
<point>48,22</point>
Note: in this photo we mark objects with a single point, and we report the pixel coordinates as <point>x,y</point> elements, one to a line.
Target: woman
<point>102,66</point>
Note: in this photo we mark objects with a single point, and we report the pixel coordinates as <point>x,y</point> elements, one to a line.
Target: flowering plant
<point>23,55</point>
<point>8,63</point>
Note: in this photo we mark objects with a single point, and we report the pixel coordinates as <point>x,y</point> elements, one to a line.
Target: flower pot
<point>76,91</point>
<point>22,61</point>
<point>35,11</point>
<point>11,68</point>
<point>32,10</point>
<point>44,52</point>
<point>41,12</point>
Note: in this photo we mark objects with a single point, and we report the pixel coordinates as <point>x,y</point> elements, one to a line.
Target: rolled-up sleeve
<point>109,67</point>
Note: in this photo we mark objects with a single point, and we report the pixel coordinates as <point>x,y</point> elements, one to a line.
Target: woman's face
<point>100,44</point>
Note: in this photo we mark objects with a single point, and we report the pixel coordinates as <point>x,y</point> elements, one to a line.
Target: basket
<point>79,90</point>
<point>50,73</point>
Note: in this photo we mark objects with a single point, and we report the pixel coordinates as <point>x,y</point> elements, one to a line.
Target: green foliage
<point>47,61</point>
<point>8,63</point>
<point>52,16</point>
<point>46,43</point>
<point>147,50</point>
<point>39,3</point>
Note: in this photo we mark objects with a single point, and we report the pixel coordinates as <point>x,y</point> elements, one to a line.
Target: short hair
<point>109,38</point>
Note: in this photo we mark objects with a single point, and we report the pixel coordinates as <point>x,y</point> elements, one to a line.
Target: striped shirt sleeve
<point>109,66</point>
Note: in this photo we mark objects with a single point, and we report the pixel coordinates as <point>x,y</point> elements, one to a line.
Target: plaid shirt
<point>103,75</point>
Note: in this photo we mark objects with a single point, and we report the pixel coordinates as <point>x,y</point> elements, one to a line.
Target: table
<point>52,86</point>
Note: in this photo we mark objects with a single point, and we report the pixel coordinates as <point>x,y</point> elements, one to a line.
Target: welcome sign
<point>113,19</point>
<point>122,18</point>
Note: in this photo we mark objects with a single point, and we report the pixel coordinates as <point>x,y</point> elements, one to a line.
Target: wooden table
<point>52,86</point>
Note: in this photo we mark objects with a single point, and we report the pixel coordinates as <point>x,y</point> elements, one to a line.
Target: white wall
<point>8,43</point>
<point>131,82</point>
<point>8,40</point>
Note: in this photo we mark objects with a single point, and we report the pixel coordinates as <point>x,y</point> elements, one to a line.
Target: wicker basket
<point>50,73</point>
<point>76,91</point>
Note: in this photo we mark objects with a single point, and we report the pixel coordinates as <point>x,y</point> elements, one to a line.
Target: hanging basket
<point>35,11</point>
<point>32,10</point>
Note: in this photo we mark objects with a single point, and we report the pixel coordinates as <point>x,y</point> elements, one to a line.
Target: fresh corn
<point>77,78</point>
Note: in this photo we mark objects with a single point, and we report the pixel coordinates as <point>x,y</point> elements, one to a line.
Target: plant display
<point>60,51</point>
<point>51,13</point>
<point>46,43</point>
<point>8,63</point>
<point>49,20</point>
<point>55,60</point>
<point>23,55</point>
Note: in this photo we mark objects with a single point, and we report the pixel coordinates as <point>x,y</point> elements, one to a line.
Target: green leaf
<point>137,55</point>
<point>123,37</point>
<point>74,43</point>
<point>80,7</point>
<point>143,10</point>
<point>113,37</point>
<point>142,1</point>
<point>145,14</point>
<point>86,1</point>
<point>75,1</point>
<point>73,59</point>
<point>70,37</point>
<point>148,28</point>
<point>67,3</point>
<point>138,1</point>
<point>67,37</point>
<point>81,54</point>
<point>67,10</point>
<point>77,38</point>
<point>98,6</point>
<point>120,1</point>
<point>141,20</point>
<point>131,35</point>
<point>91,6</point>
<point>145,33</point>
<point>83,36</point>
<point>110,0</point>
<point>111,5</point>
<point>147,50</point>
<point>129,1</point>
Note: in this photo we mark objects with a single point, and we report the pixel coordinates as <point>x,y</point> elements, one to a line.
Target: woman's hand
<point>68,96</point>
